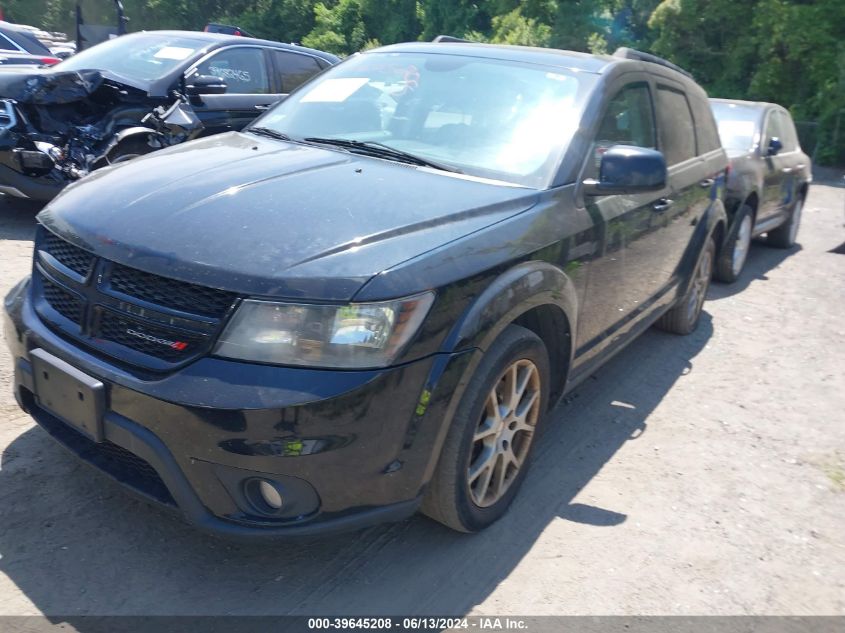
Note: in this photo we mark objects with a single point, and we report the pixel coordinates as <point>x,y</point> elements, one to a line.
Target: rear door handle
<point>661,205</point>
<point>707,182</point>
<point>787,170</point>
<point>263,106</point>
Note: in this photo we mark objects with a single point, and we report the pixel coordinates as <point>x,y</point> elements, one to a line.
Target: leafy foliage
<point>787,51</point>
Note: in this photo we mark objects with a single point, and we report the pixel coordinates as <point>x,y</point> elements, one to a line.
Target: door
<point>250,88</point>
<point>777,176</point>
<point>690,177</point>
<point>622,273</point>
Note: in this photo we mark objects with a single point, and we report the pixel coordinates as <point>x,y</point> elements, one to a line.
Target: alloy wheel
<point>795,221</point>
<point>504,433</point>
<point>700,283</point>
<point>742,245</point>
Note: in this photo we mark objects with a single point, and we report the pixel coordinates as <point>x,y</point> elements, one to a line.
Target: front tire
<point>488,446</point>
<point>732,259</point>
<point>127,150</point>
<point>683,317</point>
<point>786,234</point>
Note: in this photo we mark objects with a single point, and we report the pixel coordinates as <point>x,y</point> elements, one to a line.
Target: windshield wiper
<point>266,131</point>
<point>380,150</point>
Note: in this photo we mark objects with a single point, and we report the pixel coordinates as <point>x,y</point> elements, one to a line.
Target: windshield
<point>737,124</point>
<point>142,56</point>
<point>490,118</point>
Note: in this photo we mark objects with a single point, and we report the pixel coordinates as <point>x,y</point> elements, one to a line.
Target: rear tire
<point>683,318</point>
<point>786,234</point>
<point>488,447</point>
<point>734,254</point>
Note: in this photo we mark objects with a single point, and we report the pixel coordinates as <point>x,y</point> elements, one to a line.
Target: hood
<point>263,217</point>
<point>41,86</point>
<point>44,86</point>
<point>734,154</point>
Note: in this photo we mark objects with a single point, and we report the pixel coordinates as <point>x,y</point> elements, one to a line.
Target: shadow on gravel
<point>17,218</point>
<point>74,543</point>
<point>761,259</point>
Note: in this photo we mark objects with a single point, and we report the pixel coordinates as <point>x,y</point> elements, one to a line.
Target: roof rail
<point>447,39</point>
<point>629,53</point>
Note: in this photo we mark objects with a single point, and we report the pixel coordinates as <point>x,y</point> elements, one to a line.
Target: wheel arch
<point>535,295</point>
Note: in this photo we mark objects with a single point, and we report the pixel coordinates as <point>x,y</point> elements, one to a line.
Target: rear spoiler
<point>630,53</point>
<point>447,39</point>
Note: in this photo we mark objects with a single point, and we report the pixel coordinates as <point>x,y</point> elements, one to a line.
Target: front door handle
<point>661,205</point>
<point>707,183</point>
<point>787,170</point>
<point>263,106</point>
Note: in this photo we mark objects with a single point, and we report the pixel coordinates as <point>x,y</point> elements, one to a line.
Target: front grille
<point>170,293</point>
<point>139,337</point>
<point>78,260</point>
<point>63,302</point>
<point>122,464</point>
<point>159,321</point>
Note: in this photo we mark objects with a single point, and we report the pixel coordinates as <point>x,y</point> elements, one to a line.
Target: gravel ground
<point>692,475</point>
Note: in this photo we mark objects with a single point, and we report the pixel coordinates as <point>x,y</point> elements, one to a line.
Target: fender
<point>511,294</point>
<point>131,132</point>
<point>715,219</point>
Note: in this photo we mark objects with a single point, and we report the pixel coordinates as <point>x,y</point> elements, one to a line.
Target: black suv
<point>769,179</point>
<point>366,302</point>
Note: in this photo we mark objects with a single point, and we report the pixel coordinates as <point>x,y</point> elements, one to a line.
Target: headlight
<point>351,336</point>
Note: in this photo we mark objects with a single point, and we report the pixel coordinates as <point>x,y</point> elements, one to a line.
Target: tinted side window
<point>706,131</point>
<point>628,120</point>
<point>243,69</point>
<point>789,138</point>
<point>676,125</point>
<point>7,45</point>
<point>773,128</point>
<point>294,69</point>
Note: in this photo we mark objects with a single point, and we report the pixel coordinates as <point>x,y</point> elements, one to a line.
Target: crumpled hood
<point>262,217</point>
<point>48,86</point>
<point>42,86</point>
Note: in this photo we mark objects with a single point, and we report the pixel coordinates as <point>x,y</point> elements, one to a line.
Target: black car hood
<point>41,86</point>
<point>263,217</point>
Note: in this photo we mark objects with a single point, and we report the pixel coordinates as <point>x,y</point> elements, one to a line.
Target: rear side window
<point>294,69</point>
<point>706,131</point>
<point>242,68</point>
<point>676,125</point>
<point>628,120</point>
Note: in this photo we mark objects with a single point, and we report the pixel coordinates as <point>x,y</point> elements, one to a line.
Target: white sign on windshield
<point>334,90</point>
<point>177,53</point>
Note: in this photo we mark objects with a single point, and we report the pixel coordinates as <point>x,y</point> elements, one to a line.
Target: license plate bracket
<point>69,394</point>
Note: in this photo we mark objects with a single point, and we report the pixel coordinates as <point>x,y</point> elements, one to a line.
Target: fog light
<point>269,494</point>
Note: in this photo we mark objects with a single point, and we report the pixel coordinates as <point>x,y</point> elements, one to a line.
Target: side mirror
<point>628,169</point>
<point>205,85</point>
<point>775,145</point>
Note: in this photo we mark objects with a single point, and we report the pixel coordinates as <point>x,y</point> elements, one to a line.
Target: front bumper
<point>39,188</point>
<point>345,448</point>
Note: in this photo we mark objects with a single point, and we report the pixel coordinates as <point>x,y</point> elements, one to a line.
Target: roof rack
<point>629,53</point>
<point>448,39</point>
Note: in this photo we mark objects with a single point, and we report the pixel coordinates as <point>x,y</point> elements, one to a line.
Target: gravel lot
<point>696,475</point>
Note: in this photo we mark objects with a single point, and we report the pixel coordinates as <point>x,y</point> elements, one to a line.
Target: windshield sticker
<point>334,90</point>
<point>231,73</point>
<point>177,53</point>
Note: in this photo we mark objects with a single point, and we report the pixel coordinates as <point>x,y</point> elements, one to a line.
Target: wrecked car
<point>135,94</point>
